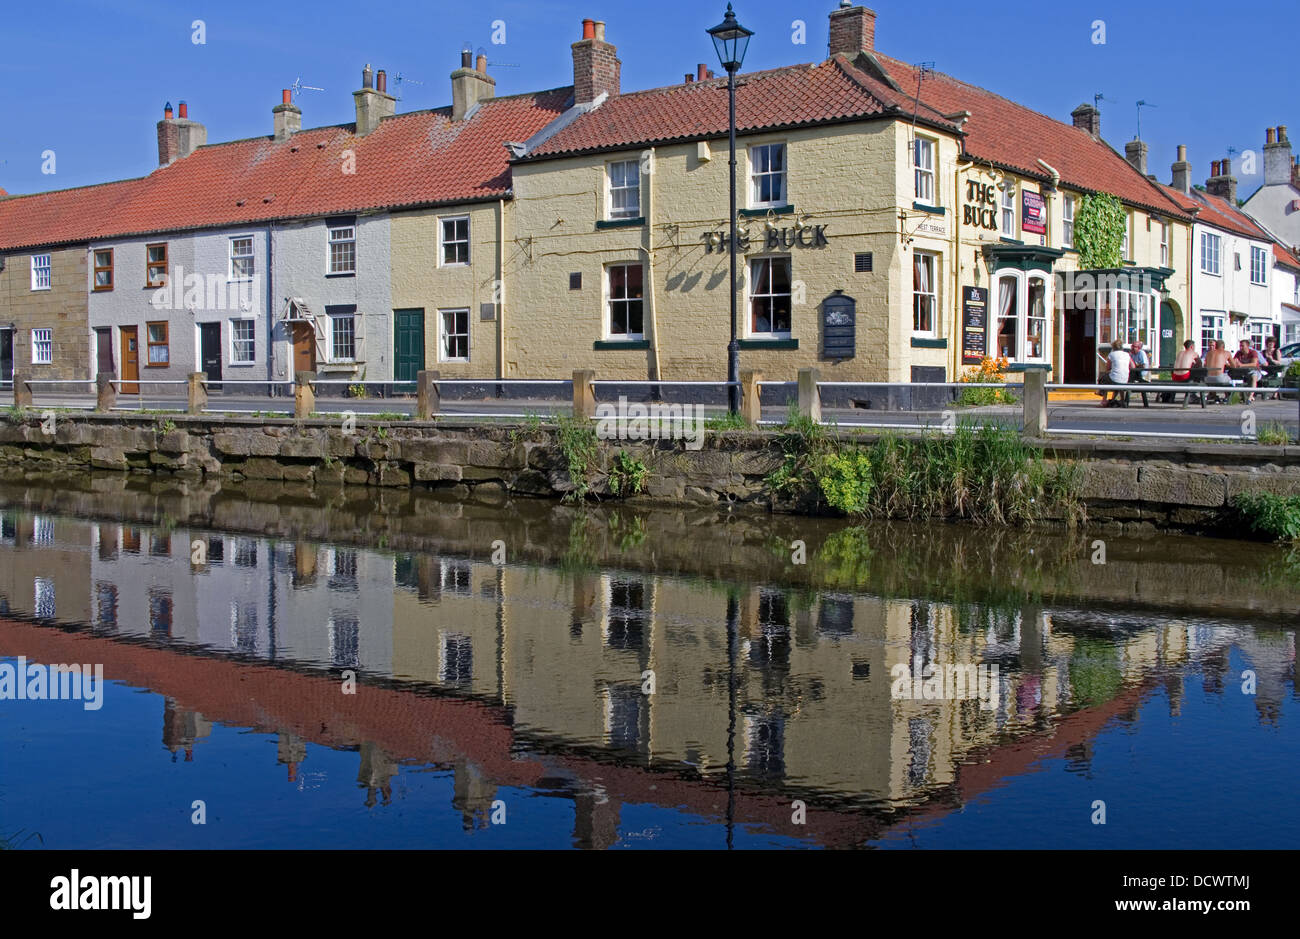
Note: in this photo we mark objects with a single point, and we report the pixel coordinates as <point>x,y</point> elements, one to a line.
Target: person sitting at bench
<point>1247,357</point>
<point>1141,365</point>
<point>1118,365</point>
<point>1217,361</point>
<point>1184,362</point>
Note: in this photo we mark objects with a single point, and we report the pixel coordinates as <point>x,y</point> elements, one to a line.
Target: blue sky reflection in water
<point>517,693</point>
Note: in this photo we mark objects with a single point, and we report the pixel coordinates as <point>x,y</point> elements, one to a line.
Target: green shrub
<point>845,480</point>
<point>726,421</point>
<point>1273,435</point>
<point>1276,518</point>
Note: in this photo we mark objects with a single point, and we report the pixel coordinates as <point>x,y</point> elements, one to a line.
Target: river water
<point>284,669</point>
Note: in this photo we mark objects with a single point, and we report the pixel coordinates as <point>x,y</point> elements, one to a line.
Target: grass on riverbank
<point>985,474</point>
<point>1269,516</point>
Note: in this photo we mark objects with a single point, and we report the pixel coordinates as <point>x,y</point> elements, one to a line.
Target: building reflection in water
<point>756,687</point>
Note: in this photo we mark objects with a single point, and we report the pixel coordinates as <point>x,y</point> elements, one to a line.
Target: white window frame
<point>932,294</point>
<point>1126,244</point>
<point>761,154</point>
<point>43,339</point>
<point>444,241</point>
<point>612,213</point>
<point>1215,260</point>
<point>1165,228</point>
<point>1212,328</point>
<point>42,273</point>
<point>234,340</point>
<point>443,335</point>
<point>332,239</point>
<point>1007,210</point>
<point>335,320</point>
<point>751,296</point>
<point>1260,255</point>
<point>610,300</point>
<point>1067,221</point>
<point>923,175</point>
<point>233,257</point>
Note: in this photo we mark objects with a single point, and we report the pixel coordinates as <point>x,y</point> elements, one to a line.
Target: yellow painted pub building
<point>896,225</point>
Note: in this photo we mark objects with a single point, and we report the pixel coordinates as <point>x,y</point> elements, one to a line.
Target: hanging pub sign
<point>1033,212</point>
<point>839,326</point>
<point>774,239</point>
<point>974,324</point>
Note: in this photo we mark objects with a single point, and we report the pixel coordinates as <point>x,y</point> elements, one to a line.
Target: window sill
<point>614,345</point>
<point>928,342</point>
<point>773,343</point>
<point>159,365</point>
<point>344,274</point>
<point>338,366</point>
<point>453,361</point>
<point>762,211</point>
<point>40,289</point>
<point>101,290</point>
<point>604,223</point>
<point>454,264</point>
<point>929,209</point>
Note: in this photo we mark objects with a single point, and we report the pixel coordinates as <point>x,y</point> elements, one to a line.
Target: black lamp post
<point>731,40</point>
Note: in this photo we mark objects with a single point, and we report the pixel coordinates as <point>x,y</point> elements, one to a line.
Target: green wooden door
<point>408,351</point>
<point>1168,335</point>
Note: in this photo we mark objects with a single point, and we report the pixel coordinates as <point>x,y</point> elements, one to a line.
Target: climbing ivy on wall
<point>1099,224</point>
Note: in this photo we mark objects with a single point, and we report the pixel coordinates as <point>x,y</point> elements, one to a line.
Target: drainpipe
<point>956,333</point>
<point>270,309</point>
<point>650,269</point>
<point>501,287</point>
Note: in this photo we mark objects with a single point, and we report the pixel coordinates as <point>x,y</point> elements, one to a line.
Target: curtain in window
<point>1007,317</point>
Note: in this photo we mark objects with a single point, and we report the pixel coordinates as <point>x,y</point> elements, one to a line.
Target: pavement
<point>1077,417</point>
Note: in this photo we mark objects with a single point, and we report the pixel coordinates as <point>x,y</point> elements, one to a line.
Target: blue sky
<point>88,79</point>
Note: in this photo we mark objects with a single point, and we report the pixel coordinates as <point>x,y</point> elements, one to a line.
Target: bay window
<point>1022,317</point>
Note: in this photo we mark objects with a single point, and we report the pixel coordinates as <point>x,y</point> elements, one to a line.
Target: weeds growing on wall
<point>627,475</point>
<point>985,474</point>
<point>578,444</point>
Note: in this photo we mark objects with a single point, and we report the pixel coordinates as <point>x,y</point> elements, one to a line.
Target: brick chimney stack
<point>596,68</point>
<point>287,116</point>
<point>1087,118</point>
<point>1222,184</point>
<point>853,30</point>
<point>470,84</point>
<point>1182,172</point>
<point>372,104</point>
<point>1278,161</point>
<point>178,137</point>
<point>1135,151</point>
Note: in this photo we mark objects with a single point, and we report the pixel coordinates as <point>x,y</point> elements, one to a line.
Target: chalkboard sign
<point>839,326</point>
<point>974,324</point>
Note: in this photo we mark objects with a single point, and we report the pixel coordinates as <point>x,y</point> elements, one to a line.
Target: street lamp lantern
<point>731,40</point>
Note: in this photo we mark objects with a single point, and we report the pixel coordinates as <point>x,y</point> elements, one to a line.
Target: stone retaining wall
<point>1125,484</point>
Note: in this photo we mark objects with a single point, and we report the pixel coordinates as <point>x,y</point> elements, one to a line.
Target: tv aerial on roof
<point>1140,106</point>
<point>298,86</point>
<point>397,84</point>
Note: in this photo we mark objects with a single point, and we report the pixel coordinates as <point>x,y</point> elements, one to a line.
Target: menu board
<point>974,324</point>
<point>1033,212</point>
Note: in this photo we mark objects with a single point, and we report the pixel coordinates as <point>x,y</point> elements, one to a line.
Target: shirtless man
<point>1217,361</point>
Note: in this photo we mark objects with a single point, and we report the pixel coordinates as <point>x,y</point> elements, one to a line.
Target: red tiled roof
<point>1216,211</point>
<point>1016,137</point>
<point>420,158</point>
<point>62,217</point>
<point>783,97</point>
<point>1284,258</point>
